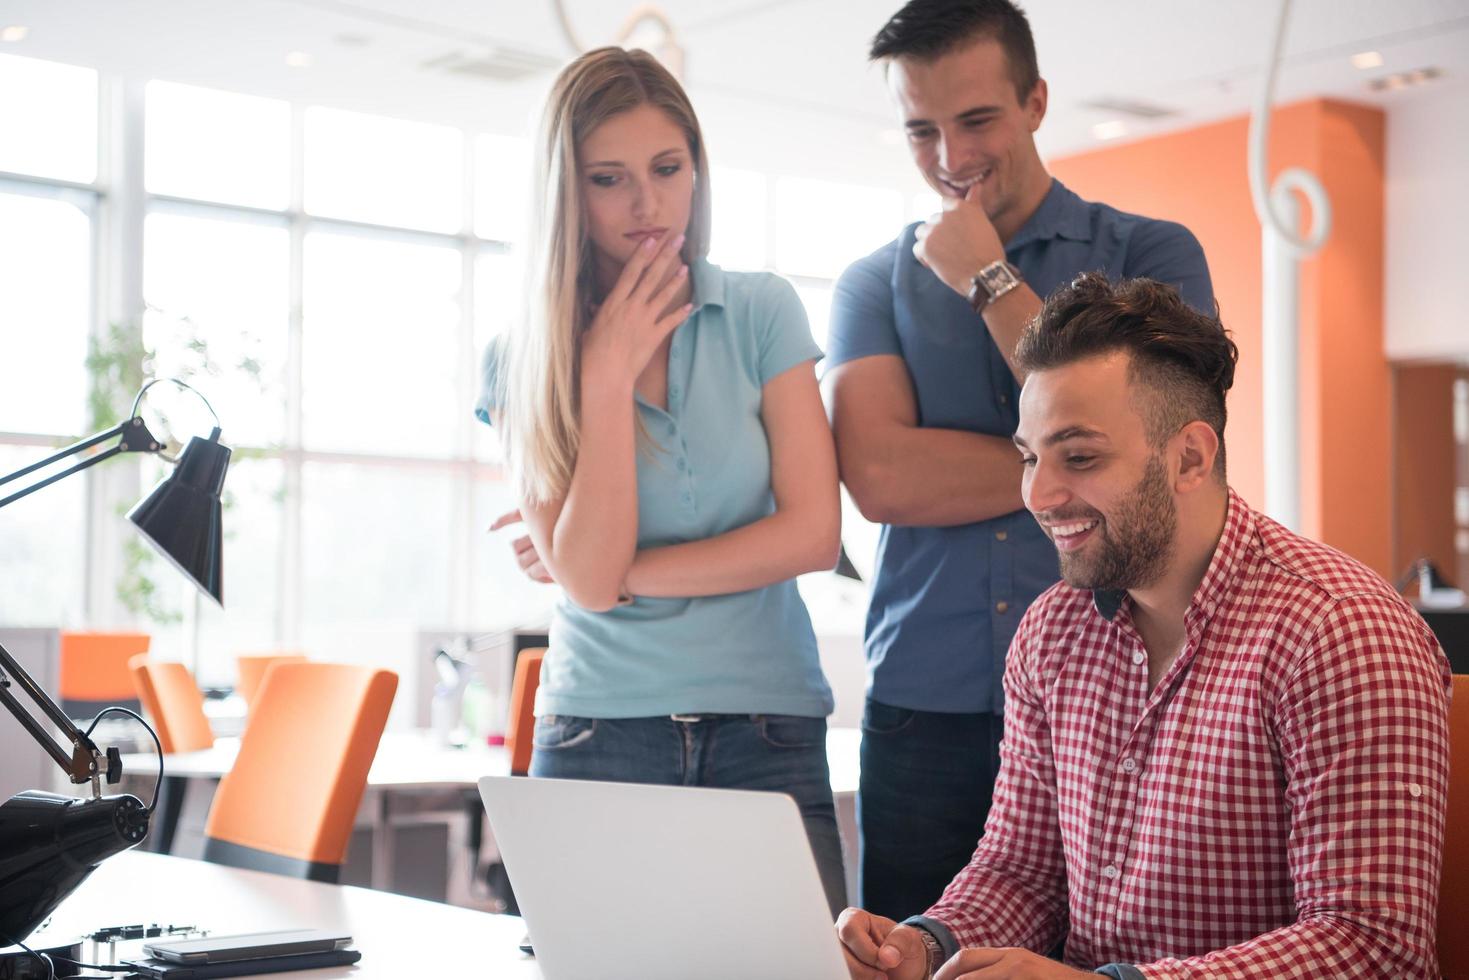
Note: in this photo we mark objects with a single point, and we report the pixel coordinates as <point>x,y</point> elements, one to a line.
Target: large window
<point>328,280</point>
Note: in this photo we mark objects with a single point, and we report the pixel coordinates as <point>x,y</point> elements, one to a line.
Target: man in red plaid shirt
<point>1226,746</point>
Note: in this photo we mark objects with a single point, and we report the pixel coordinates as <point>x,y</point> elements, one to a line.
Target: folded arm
<point>802,535</point>
<point>899,472</point>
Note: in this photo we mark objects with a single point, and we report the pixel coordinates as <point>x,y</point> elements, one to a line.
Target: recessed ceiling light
<point>1405,79</point>
<point>14,32</point>
<point>298,59</point>
<point>1367,59</point>
<point>1109,130</point>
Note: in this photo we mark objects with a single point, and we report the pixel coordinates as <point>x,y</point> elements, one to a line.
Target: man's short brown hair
<point>929,29</point>
<point>1183,359</point>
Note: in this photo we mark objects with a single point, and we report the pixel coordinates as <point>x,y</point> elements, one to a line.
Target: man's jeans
<point>927,781</point>
<point>779,753</point>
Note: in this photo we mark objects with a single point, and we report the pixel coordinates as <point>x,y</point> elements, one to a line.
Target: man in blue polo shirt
<point>922,396</point>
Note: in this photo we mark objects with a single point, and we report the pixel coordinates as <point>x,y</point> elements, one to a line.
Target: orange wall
<point>1198,177</point>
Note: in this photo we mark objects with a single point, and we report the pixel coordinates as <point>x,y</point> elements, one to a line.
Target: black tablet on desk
<point>153,969</point>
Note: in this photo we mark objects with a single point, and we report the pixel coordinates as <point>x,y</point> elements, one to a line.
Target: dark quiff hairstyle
<point>1183,359</point>
<point>929,29</point>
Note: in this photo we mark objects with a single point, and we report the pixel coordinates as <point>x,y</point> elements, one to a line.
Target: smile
<point>961,187</point>
<point>1071,536</point>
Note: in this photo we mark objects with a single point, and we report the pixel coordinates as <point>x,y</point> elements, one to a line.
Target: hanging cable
<point>1290,179</point>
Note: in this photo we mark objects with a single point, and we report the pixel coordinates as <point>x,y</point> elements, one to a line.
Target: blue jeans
<point>926,785</point>
<point>778,753</point>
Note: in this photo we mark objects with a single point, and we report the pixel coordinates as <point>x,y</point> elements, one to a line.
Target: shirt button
<point>1414,790</point>
<point>1110,872</point>
<point>673,391</point>
<point>1001,606</point>
<point>1001,535</point>
<point>688,499</point>
<point>1128,766</point>
<point>1138,657</point>
<point>1004,399</point>
<point>682,466</point>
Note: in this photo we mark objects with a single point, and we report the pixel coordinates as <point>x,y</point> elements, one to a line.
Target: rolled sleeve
<point>785,332</point>
<point>863,319</point>
<point>491,382</point>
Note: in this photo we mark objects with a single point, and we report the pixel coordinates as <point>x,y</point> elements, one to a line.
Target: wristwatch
<point>933,948</point>
<point>992,282</point>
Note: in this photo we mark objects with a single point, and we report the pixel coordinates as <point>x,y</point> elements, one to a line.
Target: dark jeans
<point>927,781</point>
<point>779,753</point>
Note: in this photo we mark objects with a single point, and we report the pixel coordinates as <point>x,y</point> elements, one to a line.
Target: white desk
<point>414,762</point>
<point>399,937</point>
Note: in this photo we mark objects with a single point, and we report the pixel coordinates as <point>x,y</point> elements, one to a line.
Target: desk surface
<point>415,761</point>
<point>399,937</point>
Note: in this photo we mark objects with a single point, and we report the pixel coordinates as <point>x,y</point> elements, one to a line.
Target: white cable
<point>1292,178</point>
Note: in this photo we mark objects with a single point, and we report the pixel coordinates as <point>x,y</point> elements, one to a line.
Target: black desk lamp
<point>49,844</point>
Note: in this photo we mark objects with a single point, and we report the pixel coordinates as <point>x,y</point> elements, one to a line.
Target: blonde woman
<point>674,466</point>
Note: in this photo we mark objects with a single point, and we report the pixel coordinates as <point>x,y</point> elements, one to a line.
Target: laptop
<point>662,882</point>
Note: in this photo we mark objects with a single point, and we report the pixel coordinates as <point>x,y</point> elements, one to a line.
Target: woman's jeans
<point>778,753</point>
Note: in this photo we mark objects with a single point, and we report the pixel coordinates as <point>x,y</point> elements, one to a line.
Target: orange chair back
<point>94,670</point>
<point>172,699</point>
<point>251,668</point>
<point>520,726</point>
<point>289,802</point>
<point>1453,895</point>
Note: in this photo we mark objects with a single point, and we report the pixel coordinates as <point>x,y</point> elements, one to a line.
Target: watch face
<point>997,277</point>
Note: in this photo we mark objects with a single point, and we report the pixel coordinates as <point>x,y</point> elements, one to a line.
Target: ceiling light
<point>298,59</point>
<point>1109,130</point>
<point>1367,59</point>
<point>1405,79</point>
<point>15,32</point>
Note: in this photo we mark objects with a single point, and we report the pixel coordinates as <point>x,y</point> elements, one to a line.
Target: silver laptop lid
<point>662,882</point>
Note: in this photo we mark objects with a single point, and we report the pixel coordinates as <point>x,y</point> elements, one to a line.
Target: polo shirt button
<point>682,466</point>
<point>688,499</point>
<point>673,391</point>
<point>1128,766</point>
<point>1001,535</point>
<point>1001,606</point>
<point>1110,872</point>
<point>1414,790</point>
<point>1138,657</point>
<point>1004,399</point>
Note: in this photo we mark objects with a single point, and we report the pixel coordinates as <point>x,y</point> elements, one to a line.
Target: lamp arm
<point>81,765</point>
<point>135,439</point>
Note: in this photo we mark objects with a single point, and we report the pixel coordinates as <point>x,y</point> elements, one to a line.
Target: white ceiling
<point>782,85</point>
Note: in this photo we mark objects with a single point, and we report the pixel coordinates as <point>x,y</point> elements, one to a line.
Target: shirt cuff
<point>1121,971</point>
<point>940,932</point>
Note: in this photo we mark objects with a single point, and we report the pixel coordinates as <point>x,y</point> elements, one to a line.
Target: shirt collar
<point>708,280</point>
<point>1239,530</point>
<point>1061,215</point>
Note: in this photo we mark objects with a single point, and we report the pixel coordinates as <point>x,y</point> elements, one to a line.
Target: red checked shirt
<point>1273,808</point>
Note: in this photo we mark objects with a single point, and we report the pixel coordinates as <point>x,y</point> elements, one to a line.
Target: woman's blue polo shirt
<point>706,471</point>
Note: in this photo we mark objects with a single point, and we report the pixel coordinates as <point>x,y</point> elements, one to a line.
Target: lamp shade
<point>181,517</point>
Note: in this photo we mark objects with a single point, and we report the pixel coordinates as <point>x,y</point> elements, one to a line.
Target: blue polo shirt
<point>946,600</point>
<point>706,471</point>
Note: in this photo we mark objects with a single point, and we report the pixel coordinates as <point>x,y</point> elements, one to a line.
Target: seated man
<point>1226,746</point>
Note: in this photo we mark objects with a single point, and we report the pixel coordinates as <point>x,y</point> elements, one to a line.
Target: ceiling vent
<point>1130,107</point>
<point>500,65</point>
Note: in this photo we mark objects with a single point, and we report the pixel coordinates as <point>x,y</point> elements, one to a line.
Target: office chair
<point>172,699</point>
<point>1453,893</point>
<point>288,804</point>
<point>251,668</point>
<point>94,671</point>
<point>521,723</point>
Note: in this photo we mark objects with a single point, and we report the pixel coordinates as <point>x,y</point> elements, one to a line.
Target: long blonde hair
<point>540,376</point>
